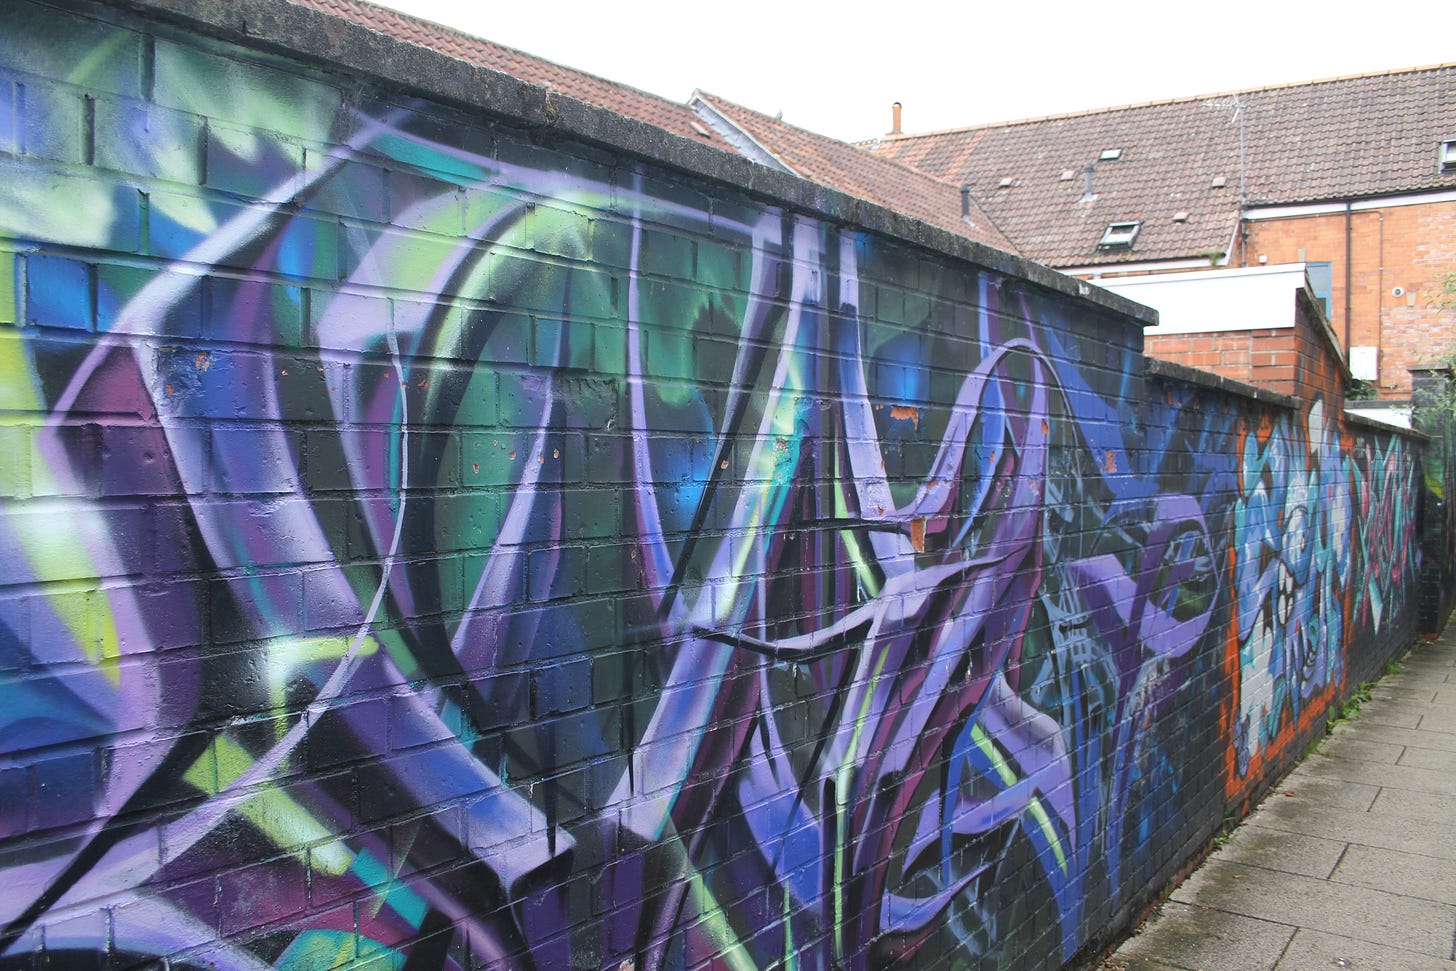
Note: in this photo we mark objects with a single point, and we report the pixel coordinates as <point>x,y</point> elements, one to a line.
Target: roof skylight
<point>1120,235</point>
<point>1110,155</point>
<point>1448,155</point>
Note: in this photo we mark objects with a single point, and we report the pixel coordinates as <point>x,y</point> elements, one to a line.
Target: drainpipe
<point>1348,246</point>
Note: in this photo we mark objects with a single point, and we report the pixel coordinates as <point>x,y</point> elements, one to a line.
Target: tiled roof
<point>1345,138</point>
<point>852,170</point>
<point>621,98</point>
<point>831,163</point>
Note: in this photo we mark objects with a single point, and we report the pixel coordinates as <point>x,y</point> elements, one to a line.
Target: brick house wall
<point>1406,246</point>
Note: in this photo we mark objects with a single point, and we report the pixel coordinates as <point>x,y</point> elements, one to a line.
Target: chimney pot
<point>895,118</point>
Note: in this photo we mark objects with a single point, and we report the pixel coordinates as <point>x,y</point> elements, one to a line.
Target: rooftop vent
<point>1068,175</point>
<point>1180,216</point>
<point>1120,235</point>
<point>1110,155</point>
<point>1219,182</point>
<point>1448,156</point>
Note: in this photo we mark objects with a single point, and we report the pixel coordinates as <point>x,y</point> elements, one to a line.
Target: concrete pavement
<point>1349,863</point>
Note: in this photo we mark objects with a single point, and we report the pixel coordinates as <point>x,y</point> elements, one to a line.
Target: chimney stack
<point>895,118</point>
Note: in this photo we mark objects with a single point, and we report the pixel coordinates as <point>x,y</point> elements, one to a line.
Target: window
<point>1448,156</point>
<point>1321,281</point>
<point>1119,235</point>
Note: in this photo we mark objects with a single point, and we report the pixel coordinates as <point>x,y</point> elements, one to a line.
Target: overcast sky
<point>836,68</point>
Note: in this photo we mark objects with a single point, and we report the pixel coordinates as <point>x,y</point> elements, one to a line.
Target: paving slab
<point>1139,964</point>
<point>1438,719</point>
<point>1408,874</point>
<point>1200,939</point>
<point>1377,774</point>
<point>1427,758</point>
<point>1409,804</point>
<point>1272,849</point>
<point>1398,736</point>
<point>1375,916</point>
<point>1435,837</point>
<point>1326,791</point>
<point>1312,950</point>
<point>1350,747</point>
<point>1412,691</point>
<point>1387,715</point>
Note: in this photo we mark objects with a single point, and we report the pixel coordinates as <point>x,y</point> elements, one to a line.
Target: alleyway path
<point>1349,863</point>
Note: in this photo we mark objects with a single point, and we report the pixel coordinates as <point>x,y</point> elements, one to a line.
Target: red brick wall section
<point>1266,358</point>
<point>1409,247</point>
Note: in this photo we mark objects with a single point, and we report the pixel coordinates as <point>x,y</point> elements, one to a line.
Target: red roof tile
<point>621,98</point>
<point>840,165</point>
<point>1345,138</point>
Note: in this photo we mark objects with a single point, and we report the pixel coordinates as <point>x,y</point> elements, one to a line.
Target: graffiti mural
<point>429,550</point>
<point>1291,542</point>
<point>1321,553</point>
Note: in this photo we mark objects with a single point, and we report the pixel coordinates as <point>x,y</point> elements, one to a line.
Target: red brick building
<point>1354,177</point>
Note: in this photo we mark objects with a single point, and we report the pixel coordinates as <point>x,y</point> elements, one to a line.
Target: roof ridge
<point>367,9</point>
<point>1182,99</point>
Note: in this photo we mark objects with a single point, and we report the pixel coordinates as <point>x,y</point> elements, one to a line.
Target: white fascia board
<point>1399,417</point>
<point>1148,267</point>
<point>1215,301</point>
<point>1362,205</point>
<point>752,148</point>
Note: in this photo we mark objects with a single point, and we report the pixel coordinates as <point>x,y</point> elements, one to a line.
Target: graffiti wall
<point>428,549</point>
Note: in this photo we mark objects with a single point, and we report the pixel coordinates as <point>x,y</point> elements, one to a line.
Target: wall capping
<point>1158,368</point>
<point>1371,422</point>
<point>333,43</point>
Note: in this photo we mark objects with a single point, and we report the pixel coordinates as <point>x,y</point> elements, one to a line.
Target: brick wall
<point>452,535</point>
<point>1303,360</point>
<point>1265,357</point>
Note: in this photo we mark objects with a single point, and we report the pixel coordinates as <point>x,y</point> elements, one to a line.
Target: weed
<point>1347,710</point>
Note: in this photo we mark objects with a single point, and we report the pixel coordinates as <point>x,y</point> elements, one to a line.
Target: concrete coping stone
<point>1369,421</point>
<point>1159,368</point>
<point>324,40</point>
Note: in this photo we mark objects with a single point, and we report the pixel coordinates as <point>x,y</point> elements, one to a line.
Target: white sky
<point>836,68</point>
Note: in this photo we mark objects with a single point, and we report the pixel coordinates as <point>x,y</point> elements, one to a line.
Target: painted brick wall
<point>434,543</point>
